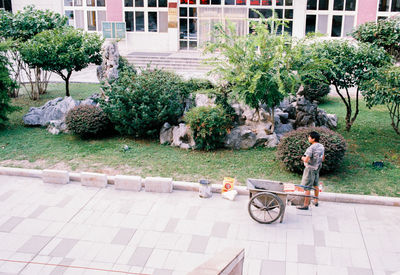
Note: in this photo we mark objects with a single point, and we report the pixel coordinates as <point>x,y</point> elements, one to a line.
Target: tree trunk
<point>273,119</point>
<point>67,84</point>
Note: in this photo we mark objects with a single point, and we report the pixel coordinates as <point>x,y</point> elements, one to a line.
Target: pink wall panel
<point>366,11</point>
<point>114,10</point>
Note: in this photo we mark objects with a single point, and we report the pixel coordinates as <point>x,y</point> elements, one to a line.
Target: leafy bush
<point>87,121</point>
<point>140,104</point>
<point>209,126</point>
<point>316,90</point>
<point>195,84</point>
<point>294,144</point>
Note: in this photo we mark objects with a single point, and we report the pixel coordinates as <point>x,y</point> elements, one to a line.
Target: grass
<point>370,139</point>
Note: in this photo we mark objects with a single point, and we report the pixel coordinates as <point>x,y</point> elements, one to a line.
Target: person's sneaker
<point>303,208</point>
<point>315,203</point>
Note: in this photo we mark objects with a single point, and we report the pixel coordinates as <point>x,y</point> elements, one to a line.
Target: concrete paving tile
<point>308,269</point>
<point>359,271</point>
<point>123,236</point>
<point>140,256</point>
<point>323,255</point>
<point>31,227</point>
<point>64,201</point>
<point>220,229</point>
<point>306,254</point>
<point>109,253</point>
<point>34,244</point>
<point>171,225</point>
<point>269,267</point>
<point>277,252</point>
<point>319,238</point>
<point>252,266</point>
<point>257,250</point>
<point>291,268</point>
<point>63,247</point>
<point>333,224</point>
<point>172,259</point>
<point>198,244</point>
<point>291,253</point>
<point>340,257</point>
<point>333,239</point>
<point>167,240</point>
<point>150,239</point>
<point>163,272</point>
<point>10,224</point>
<point>183,243</point>
<point>157,258</point>
<point>6,195</point>
<point>331,270</point>
<point>192,213</point>
<point>190,261</point>
<point>359,258</point>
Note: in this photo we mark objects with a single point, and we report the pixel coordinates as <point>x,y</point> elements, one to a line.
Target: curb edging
<point>216,188</point>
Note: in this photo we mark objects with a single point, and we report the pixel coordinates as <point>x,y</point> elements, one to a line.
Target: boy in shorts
<point>313,158</point>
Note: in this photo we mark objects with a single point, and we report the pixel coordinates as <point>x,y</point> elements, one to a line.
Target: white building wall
<point>299,18</point>
<point>54,5</point>
<point>150,42</point>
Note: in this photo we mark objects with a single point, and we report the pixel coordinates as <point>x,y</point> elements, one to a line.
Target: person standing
<point>312,159</point>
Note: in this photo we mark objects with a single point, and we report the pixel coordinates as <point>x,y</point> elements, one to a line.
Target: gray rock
<point>241,137</point>
<point>272,141</point>
<point>204,100</point>
<point>261,138</point>
<point>232,140</point>
<point>332,121</point>
<point>283,128</point>
<point>166,134</point>
<point>284,117</point>
<point>108,69</point>
<point>182,134</point>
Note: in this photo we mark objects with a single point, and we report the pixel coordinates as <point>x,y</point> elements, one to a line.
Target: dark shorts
<point>310,177</point>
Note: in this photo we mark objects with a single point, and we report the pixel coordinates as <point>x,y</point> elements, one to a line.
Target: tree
<point>6,83</point>
<point>260,67</point>
<point>350,65</point>
<point>384,33</point>
<point>385,89</point>
<point>63,51</point>
<point>20,27</point>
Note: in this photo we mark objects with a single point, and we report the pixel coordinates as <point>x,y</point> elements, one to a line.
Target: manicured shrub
<point>139,104</point>
<point>6,84</point>
<point>315,90</point>
<point>209,126</point>
<point>88,121</point>
<point>195,84</point>
<point>294,144</point>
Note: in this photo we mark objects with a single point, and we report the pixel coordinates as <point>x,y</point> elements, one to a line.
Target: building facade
<point>181,25</point>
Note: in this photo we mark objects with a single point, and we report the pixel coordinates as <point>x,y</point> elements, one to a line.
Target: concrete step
<point>155,61</point>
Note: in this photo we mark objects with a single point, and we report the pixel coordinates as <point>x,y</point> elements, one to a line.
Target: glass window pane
<point>336,26</point>
<point>310,23</point>
<point>91,20</point>
<point>382,17</point>
<point>192,45</point>
<point>128,3</point>
<point>229,2</point>
<point>152,3</point>
<point>184,1</point>
<point>129,21</point>
<point>139,16</point>
<point>350,5</point>
<point>90,3</point>
<point>192,12</point>
<point>323,5</point>
<point>192,2</point>
<point>193,29</point>
<point>79,20</point>
<point>215,2</point>
<point>288,2</point>
<point>183,32</point>
<point>204,2</point>
<point>338,5</point>
<point>139,3</point>
<point>311,4</point>
<point>183,45</point>
<point>66,3</point>
<point>278,13</point>
<point>289,14</point>
<point>255,2</point>
<point>101,3</point>
<point>241,2</point>
<point>279,2</point>
<point>266,2</point>
<point>323,24</point>
<point>163,3</point>
<point>163,21</point>
<point>348,24</point>
<point>183,12</point>
<point>78,3</point>
<point>395,5</point>
<point>289,27</point>
<point>267,13</point>
<point>152,17</point>
<point>384,5</point>
<point>253,14</point>
<point>70,16</point>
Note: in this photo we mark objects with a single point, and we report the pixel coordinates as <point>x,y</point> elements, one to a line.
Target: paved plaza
<point>71,229</point>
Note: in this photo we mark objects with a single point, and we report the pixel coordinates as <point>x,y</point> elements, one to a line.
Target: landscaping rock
<point>241,137</point>
<point>108,69</point>
<point>283,128</point>
<point>166,134</point>
<point>272,141</point>
<point>56,127</point>
<point>182,134</point>
<point>332,121</point>
<point>204,100</point>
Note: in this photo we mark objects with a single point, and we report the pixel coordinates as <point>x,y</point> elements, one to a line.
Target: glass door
<point>188,25</point>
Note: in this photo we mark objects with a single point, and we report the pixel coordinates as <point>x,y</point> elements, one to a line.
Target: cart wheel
<point>265,207</point>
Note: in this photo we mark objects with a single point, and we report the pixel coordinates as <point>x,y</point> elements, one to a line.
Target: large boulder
<point>241,137</point>
<point>182,137</point>
<point>108,69</point>
<point>166,136</point>
<point>204,100</point>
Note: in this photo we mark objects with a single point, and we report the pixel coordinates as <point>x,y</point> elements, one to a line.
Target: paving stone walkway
<point>46,229</point>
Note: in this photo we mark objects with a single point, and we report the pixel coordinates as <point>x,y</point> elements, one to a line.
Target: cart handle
<point>305,187</point>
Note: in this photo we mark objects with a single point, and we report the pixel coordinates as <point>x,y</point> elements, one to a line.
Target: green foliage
<point>350,65</point>
<point>25,24</point>
<point>385,89</point>
<point>383,33</point>
<point>196,84</point>
<point>65,49</point>
<point>124,65</point>
<point>87,121</point>
<point>139,105</point>
<point>6,83</point>
<point>294,144</point>
<point>209,126</point>
<point>315,90</point>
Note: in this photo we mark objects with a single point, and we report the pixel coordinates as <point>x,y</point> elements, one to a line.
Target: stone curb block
<point>55,176</point>
<point>132,183</point>
<point>93,179</point>
<point>158,184</point>
<point>20,172</point>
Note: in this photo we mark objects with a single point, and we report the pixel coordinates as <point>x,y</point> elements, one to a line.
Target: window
<point>152,19</point>
<point>6,5</point>
<point>336,26</point>
<point>311,23</point>
<point>385,4</point>
<point>91,20</point>
<point>128,3</point>
<point>70,16</point>
<point>139,18</point>
<point>130,25</point>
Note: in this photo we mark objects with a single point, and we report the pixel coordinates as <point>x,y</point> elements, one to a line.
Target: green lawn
<point>370,139</point>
